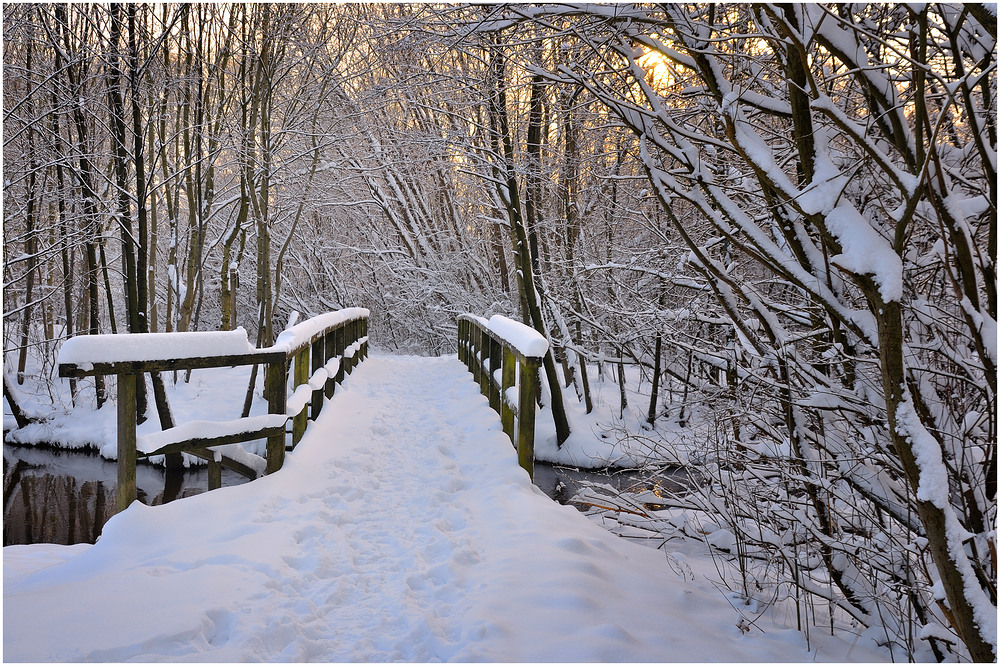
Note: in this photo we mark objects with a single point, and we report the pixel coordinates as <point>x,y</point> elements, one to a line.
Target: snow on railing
<point>504,357</point>
<point>321,352</point>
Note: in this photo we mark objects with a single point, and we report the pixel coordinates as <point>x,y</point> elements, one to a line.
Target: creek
<point>57,496</point>
<point>53,495</point>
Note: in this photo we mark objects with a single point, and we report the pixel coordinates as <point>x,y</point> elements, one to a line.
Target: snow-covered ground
<point>401,528</point>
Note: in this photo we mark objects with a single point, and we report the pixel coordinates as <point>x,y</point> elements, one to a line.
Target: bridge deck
<point>401,528</point>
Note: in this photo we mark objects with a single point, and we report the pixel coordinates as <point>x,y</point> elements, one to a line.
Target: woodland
<point>785,215</point>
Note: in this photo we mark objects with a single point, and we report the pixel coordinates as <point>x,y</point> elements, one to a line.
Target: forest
<point>784,216</point>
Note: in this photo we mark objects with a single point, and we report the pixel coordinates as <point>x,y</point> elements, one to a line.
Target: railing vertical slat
<point>214,474</point>
<point>318,359</point>
<point>329,351</point>
<point>496,350</point>
<point>339,351</point>
<point>508,375</point>
<point>300,374</point>
<point>274,393</point>
<point>528,389</point>
<point>126,440</point>
<point>484,374</point>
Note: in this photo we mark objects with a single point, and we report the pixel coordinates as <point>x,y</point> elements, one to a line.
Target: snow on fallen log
<point>523,338</point>
<point>130,347</point>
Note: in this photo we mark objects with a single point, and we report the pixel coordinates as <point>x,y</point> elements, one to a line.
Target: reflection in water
<point>65,497</point>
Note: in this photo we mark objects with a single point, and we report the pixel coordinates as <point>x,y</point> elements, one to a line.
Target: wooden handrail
<point>484,352</point>
<point>332,344</point>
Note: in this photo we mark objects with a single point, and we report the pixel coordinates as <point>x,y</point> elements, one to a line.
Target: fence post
<point>338,350</point>
<point>496,349</point>
<point>126,440</point>
<point>318,357</point>
<point>350,335</point>
<point>463,341</point>
<point>477,343</point>
<point>364,334</point>
<point>508,376</point>
<point>329,351</point>
<point>274,393</point>
<point>526,415</point>
<point>301,376</point>
<point>214,474</point>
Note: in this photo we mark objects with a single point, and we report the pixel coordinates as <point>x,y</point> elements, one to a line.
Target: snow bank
<point>525,339</point>
<point>128,347</point>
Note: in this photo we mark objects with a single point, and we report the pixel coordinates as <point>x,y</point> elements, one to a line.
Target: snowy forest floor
<point>400,528</point>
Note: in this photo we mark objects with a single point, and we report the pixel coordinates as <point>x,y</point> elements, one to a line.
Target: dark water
<point>65,497</point>
<point>563,483</point>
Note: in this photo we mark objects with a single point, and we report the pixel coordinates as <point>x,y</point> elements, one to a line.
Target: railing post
<point>349,338</point>
<point>214,474</point>
<point>318,357</point>
<point>526,415</point>
<point>329,351</point>
<point>301,376</point>
<point>477,342</point>
<point>463,327</point>
<point>484,379</point>
<point>508,375</point>
<point>126,440</point>
<point>274,393</point>
<point>496,349</point>
<point>339,348</point>
<point>364,333</point>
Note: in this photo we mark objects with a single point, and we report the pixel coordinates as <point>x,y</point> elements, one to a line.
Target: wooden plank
<point>163,365</point>
<point>126,492</point>
<point>194,444</point>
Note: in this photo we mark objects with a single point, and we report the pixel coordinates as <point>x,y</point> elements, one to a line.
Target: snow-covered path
<point>401,528</point>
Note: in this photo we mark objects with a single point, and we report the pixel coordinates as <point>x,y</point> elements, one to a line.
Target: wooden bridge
<point>301,371</point>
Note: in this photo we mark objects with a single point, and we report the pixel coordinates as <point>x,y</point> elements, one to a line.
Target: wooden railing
<point>516,351</point>
<point>319,352</point>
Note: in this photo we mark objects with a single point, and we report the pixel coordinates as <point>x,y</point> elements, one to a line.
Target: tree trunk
<point>508,189</point>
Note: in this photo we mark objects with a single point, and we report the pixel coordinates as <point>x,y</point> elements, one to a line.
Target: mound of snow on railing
<point>523,338</point>
<point>130,347</point>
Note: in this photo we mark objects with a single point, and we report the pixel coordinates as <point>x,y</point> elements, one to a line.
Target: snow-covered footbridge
<point>400,527</point>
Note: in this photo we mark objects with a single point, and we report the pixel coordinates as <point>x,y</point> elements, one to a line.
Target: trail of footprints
<point>371,545</point>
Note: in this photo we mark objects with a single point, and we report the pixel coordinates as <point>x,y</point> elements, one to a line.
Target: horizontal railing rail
<point>320,352</point>
<point>514,351</point>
